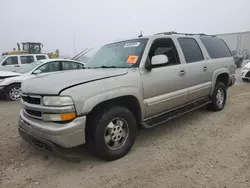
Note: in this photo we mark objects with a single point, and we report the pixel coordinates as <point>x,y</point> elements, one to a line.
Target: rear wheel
<point>13,92</point>
<point>219,97</point>
<point>111,133</point>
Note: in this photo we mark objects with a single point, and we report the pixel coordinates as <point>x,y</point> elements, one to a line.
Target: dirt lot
<point>200,149</point>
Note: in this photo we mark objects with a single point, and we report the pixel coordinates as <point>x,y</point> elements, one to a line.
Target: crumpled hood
<point>8,74</point>
<point>52,84</point>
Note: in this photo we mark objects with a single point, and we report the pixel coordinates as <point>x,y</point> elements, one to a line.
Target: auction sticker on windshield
<point>134,44</point>
<point>132,59</point>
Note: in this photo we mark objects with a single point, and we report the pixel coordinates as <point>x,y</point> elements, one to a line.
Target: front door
<point>10,63</point>
<point>164,86</point>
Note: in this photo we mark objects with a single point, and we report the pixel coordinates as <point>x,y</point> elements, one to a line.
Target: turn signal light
<point>68,116</point>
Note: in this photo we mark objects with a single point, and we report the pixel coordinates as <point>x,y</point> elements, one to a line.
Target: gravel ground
<point>200,149</point>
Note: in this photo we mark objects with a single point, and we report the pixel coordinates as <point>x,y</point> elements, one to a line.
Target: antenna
<point>74,44</point>
<point>140,34</point>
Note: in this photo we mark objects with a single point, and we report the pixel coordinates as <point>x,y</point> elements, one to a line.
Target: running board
<point>163,118</point>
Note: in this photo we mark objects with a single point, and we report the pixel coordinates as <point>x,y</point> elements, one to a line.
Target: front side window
<point>216,47</point>
<point>11,61</point>
<point>27,59</point>
<point>191,50</point>
<point>69,65</point>
<point>50,67</point>
<point>119,55</point>
<point>164,46</point>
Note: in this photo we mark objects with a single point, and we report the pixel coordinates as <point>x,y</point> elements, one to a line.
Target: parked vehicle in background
<point>239,44</point>
<point>10,82</point>
<point>137,83</point>
<point>14,62</point>
<point>238,59</point>
<point>245,72</point>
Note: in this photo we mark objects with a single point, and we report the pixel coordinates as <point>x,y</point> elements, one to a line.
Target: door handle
<point>16,65</point>
<point>182,73</point>
<point>205,68</point>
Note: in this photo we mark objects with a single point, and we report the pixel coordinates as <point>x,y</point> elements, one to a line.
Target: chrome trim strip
<point>47,109</point>
<point>36,117</point>
<point>176,94</point>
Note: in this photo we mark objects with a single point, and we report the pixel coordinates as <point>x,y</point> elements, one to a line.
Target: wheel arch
<point>129,101</point>
<point>220,75</point>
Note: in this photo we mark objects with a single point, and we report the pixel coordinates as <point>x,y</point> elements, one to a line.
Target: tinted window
<point>68,65</point>
<point>27,59</point>
<point>191,50</point>
<point>216,47</point>
<point>49,67</point>
<point>39,57</point>
<point>11,61</point>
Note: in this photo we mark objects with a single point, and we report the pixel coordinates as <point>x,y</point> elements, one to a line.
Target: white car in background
<point>245,72</point>
<point>10,82</point>
<point>16,61</point>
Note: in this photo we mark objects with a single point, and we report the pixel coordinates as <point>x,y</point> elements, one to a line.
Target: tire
<point>218,101</point>
<point>10,96</point>
<point>100,127</point>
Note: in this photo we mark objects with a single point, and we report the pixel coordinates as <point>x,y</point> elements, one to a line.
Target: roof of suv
<point>172,33</point>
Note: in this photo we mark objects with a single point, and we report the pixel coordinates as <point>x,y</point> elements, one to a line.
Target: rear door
<point>195,69</point>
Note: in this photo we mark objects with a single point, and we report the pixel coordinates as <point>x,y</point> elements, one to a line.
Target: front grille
<point>248,74</point>
<point>31,100</point>
<point>34,113</point>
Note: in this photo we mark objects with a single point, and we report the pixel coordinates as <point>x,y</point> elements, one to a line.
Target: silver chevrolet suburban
<point>127,85</point>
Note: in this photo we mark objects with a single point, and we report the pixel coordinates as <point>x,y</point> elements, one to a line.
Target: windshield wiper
<point>103,66</point>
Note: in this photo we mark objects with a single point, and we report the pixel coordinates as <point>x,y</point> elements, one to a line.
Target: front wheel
<point>111,133</point>
<point>13,92</point>
<point>219,97</point>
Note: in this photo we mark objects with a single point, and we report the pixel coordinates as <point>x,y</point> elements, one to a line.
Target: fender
<point>91,102</point>
<point>215,76</point>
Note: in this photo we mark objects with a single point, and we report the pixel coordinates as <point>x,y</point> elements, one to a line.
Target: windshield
<point>28,67</point>
<point>119,55</point>
<point>2,58</point>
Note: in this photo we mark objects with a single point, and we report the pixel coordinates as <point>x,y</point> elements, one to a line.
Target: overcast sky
<point>97,22</point>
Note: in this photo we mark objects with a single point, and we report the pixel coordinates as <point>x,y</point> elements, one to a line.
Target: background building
<point>239,43</point>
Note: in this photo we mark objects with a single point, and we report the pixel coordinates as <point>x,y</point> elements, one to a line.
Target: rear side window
<point>216,47</point>
<point>27,59</point>
<point>39,57</point>
<point>191,50</point>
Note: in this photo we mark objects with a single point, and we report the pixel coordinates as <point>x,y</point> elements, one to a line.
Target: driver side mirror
<point>159,59</point>
<point>37,72</point>
<point>156,60</point>
<point>4,63</point>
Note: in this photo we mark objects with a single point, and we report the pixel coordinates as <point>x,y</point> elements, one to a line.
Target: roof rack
<point>173,32</point>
